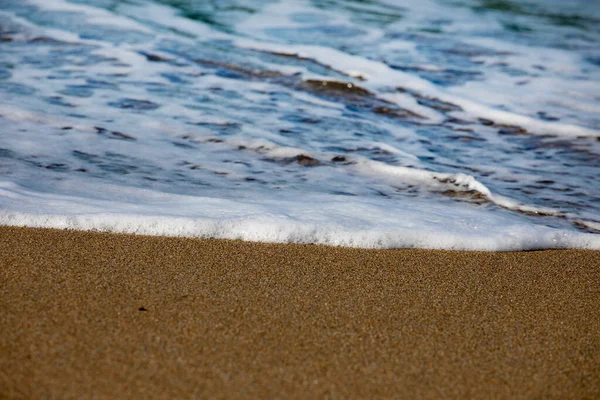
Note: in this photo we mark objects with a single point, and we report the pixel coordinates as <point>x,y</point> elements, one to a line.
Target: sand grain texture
<point>229,319</point>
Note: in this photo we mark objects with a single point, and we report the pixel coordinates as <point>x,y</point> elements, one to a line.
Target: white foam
<point>433,180</point>
<point>328,220</point>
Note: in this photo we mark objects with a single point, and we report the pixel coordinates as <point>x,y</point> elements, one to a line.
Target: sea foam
<point>325,220</point>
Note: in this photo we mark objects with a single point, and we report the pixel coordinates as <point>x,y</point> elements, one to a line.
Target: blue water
<point>467,124</point>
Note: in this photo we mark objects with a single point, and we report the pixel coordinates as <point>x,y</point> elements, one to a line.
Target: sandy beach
<point>98,315</point>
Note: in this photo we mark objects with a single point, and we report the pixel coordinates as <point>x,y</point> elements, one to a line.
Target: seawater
<point>455,124</point>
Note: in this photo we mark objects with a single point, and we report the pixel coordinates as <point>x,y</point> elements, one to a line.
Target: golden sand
<point>97,315</point>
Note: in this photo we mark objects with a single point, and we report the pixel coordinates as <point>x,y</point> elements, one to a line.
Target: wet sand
<point>99,315</point>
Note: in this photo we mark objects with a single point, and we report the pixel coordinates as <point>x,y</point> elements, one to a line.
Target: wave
<point>315,220</point>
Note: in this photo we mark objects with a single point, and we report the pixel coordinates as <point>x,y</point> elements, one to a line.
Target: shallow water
<point>442,124</point>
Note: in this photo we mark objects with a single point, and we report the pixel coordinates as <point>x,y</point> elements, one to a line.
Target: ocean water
<point>454,124</point>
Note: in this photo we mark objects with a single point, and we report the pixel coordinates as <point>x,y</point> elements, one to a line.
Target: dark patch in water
<point>134,104</point>
<point>436,104</point>
<point>595,60</point>
<point>175,77</point>
<point>396,112</point>
<point>465,138</point>
<point>519,28</point>
<point>544,116</point>
<point>380,193</point>
<point>154,57</point>
<point>238,72</point>
<point>78,91</point>
<point>46,40</point>
<point>58,167</point>
<point>113,134</point>
<point>457,121</point>
<point>6,153</point>
<point>336,89</point>
<point>121,136</point>
<point>462,191</point>
<point>101,84</point>
<point>183,145</point>
<point>584,228</point>
<point>307,161</point>
<point>504,129</point>
<point>301,159</point>
<point>59,101</point>
<point>468,195</point>
<point>85,156</point>
<point>511,130</point>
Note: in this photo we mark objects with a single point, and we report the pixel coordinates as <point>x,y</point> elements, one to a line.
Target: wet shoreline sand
<point>86,314</point>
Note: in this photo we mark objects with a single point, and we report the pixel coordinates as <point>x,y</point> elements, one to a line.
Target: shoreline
<point>116,315</point>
